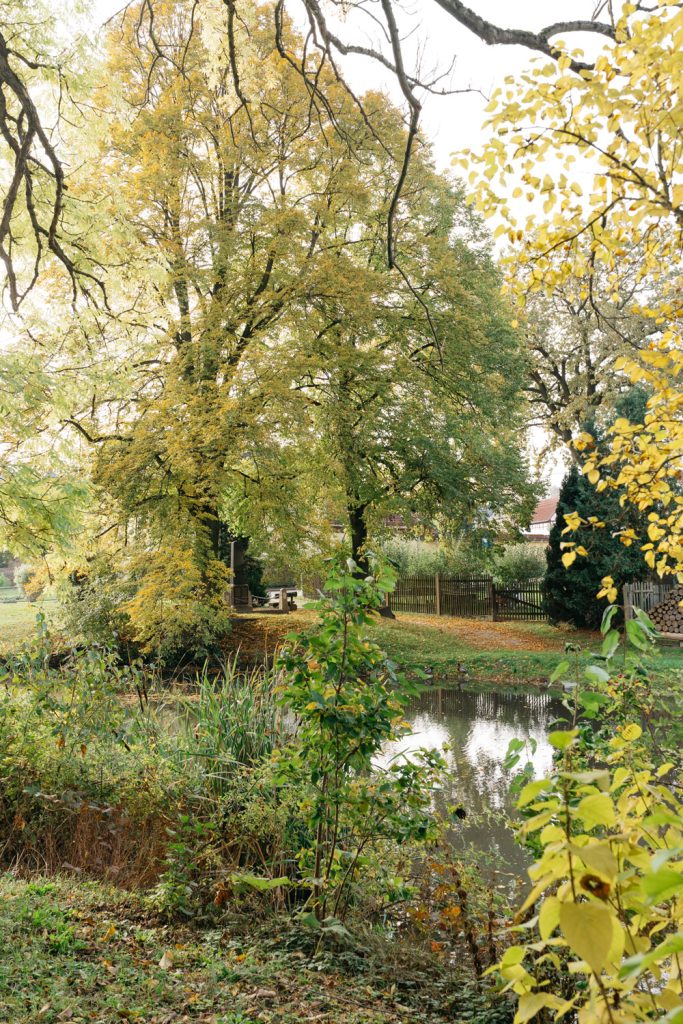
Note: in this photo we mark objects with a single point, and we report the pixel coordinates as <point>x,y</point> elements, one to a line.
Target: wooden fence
<point>645,595</point>
<point>469,597</point>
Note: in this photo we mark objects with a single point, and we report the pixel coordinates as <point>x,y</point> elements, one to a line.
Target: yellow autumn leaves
<point>612,135</point>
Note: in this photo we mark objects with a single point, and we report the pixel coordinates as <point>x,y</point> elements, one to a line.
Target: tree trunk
<point>359,534</point>
<point>358,529</point>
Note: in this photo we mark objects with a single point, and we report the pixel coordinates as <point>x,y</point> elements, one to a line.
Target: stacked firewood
<point>668,615</point>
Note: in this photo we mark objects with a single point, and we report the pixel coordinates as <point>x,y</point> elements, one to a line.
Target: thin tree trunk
<point>358,529</point>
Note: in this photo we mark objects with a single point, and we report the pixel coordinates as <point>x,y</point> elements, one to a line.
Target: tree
<point>40,238</point>
<point>347,28</point>
<point>623,121</point>
<point>571,588</point>
<point>39,85</point>
<point>268,345</point>
<point>417,411</point>
<point>576,337</point>
<point>40,497</point>
<point>591,543</point>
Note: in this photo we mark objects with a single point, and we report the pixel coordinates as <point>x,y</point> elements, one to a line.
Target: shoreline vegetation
<point>451,651</point>
<point>240,854</point>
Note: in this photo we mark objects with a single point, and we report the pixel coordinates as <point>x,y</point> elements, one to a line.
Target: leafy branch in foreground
<point>348,704</point>
<point>600,931</point>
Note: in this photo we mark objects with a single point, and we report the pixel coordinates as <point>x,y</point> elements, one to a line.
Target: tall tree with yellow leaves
<point>246,234</point>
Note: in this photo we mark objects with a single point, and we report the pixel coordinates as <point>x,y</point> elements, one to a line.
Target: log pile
<point>668,615</point>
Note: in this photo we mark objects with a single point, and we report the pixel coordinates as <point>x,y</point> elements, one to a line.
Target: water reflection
<point>477,728</point>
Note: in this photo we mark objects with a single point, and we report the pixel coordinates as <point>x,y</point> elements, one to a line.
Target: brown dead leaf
<point>263,993</point>
<point>166,961</point>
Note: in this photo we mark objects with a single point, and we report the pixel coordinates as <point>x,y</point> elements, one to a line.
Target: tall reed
<point>231,722</point>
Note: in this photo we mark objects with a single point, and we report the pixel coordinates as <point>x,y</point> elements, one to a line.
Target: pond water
<point>476,728</point>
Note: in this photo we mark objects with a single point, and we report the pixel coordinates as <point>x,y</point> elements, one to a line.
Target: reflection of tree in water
<point>477,728</point>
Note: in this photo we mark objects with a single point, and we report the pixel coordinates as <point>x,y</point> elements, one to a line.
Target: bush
<point>32,580</point>
<point>520,563</point>
<point>161,606</point>
<point>93,600</point>
<point>347,702</point>
<point>414,558</point>
<point>603,919</point>
<point>4,582</point>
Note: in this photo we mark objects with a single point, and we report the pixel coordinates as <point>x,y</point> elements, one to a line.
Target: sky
<point>455,122</point>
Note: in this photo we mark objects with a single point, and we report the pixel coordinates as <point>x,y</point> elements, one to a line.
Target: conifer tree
<point>571,591</point>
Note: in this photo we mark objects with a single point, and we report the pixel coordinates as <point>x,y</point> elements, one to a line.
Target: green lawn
<point>515,653</point>
<point>506,653</point>
<point>80,951</point>
<point>18,620</point>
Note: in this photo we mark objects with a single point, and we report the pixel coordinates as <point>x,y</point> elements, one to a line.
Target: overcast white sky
<point>454,123</point>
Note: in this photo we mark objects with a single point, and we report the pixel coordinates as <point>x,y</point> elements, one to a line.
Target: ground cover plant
<point>85,951</point>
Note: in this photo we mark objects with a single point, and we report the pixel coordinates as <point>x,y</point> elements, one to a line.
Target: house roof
<point>545,510</point>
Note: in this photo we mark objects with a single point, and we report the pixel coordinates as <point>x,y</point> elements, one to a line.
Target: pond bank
<point>80,951</point>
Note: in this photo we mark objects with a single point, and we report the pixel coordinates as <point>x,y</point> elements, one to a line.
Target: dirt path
<point>486,635</point>
<point>258,635</point>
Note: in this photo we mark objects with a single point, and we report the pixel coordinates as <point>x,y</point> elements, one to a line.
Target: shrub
<point>413,558</point>
<point>93,599</point>
<point>348,702</point>
<point>520,563</point>
<point>32,580</point>
<point>161,606</point>
<point>603,936</point>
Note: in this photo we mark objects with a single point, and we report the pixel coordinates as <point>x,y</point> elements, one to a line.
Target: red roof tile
<point>545,510</point>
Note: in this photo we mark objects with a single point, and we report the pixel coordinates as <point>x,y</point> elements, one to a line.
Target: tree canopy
<point>616,123</point>
<point>257,366</point>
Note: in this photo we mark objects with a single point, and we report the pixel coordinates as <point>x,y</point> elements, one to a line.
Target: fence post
<point>437,593</point>
<point>492,599</point>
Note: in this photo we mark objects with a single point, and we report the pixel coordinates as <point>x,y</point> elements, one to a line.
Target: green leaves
<point>246,880</point>
<point>662,884</point>
<point>561,739</point>
<point>559,671</point>
<point>348,702</point>
<point>596,674</point>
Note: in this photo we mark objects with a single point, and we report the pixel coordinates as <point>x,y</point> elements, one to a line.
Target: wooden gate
<point>520,601</point>
<point>469,597</point>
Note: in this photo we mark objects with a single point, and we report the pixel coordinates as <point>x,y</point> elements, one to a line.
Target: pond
<point>477,727</point>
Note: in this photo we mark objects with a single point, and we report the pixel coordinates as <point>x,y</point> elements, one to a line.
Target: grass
<point>501,653</point>
<point>17,621</point>
<point>83,952</point>
<point>518,652</point>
